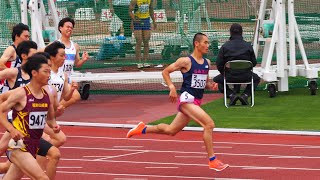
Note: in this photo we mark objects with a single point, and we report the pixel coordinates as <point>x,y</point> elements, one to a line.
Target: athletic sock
<point>212,158</point>
<point>144,130</point>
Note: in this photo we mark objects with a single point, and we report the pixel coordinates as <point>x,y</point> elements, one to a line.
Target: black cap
<point>236,29</point>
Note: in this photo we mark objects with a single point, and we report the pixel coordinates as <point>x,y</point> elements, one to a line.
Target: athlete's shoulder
<point>208,60</point>
<point>8,54</point>
<point>18,92</point>
<point>184,60</point>
<point>50,90</point>
<point>76,45</point>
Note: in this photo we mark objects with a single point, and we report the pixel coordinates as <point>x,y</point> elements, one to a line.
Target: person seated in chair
<point>236,49</point>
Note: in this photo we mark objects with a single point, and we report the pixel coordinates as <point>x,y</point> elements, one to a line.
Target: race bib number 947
<point>37,120</point>
<point>199,81</point>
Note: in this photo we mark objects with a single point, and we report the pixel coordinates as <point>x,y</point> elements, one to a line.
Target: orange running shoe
<point>217,165</point>
<point>136,130</point>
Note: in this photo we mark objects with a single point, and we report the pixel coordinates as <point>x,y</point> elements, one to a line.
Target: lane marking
<point>260,168</point>
<point>161,167</point>
<point>122,155</point>
<point>220,147</point>
<point>184,152</point>
<point>225,130</point>
<point>183,164</point>
<point>149,175</point>
<point>128,146</point>
<point>190,156</point>
<point>129,179</point>
<point>295,157</point>
<point>69,167</point>
<point>307,147</point>
<point>95,156</point>
<point>185,141</point>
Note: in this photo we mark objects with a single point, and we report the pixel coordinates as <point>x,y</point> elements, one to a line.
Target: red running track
<point>105,153</point>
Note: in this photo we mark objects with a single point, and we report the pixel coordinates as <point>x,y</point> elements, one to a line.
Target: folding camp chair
<point>232,70</point>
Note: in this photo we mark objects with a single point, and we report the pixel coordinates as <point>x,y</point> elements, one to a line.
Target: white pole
<point>273,42</point>
<point>55,17</point>
<point>263,5</point>
<point>282,40</point>
<point>282,72</point>
<point>292,43</point>
<point>301,47</point>
<point>24,11</point>
<point>36,28</point>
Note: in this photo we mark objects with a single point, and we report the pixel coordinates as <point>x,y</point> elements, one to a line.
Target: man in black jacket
<point>236,49</point>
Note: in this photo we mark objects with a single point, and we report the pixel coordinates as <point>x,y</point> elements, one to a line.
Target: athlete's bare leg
<point>4,142</point>
<point>179,122</point>
<point>4,167</point>
<point>146,35</point>
<point>50,164</point>
<point>24,163</point>
<point>201,117</point>
<point>56,139</point>
<point>138,36</point>
<point>188,111</point>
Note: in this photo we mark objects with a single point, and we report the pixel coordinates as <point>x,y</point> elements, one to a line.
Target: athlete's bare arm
<point>85,56</point>
<point>210,84</point>
<point>10,74</point>
<point>58,109</point>
<point>183,64</point>
<point>8,55</point>
<point>53,91</point>
<point>68,90</point>
<point>51,121</point>
<point>15,98</point>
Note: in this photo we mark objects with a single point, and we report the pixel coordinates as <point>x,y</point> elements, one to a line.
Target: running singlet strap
<point>16,62</point>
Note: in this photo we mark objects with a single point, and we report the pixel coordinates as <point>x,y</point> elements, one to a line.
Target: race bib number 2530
<point>37,120</point>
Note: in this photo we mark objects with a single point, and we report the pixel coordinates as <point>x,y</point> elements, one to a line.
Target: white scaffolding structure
<point>40,19</point>
<point>276,34</point>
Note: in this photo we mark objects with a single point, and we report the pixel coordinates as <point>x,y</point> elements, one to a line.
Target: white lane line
<point>190,156</point>
<point>122,155</point>
<point>295,157</point>
<point>307,147</point>
<point>261,168</point>
<point>68,167</point>
<point>95,156</point>
<point>184,141</point>
<point>221,147</point>
<point>133,147</point>
<point>149,175</point>
<point>161,167</point>
<point>182,164</point>
<point>184,152</point>
<point>128,179</point>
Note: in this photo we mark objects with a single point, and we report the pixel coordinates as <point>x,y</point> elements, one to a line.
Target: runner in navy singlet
<point>195,71</point>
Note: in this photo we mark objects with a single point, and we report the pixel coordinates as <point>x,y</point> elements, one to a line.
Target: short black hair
<point>52,49</point>
<point>25,46</point>
<point>236,29</point>
<point>18,29</point>
<point>64,20</point>
<point>34,63</point>
<point>44,54</point>
<point>197,37</point>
